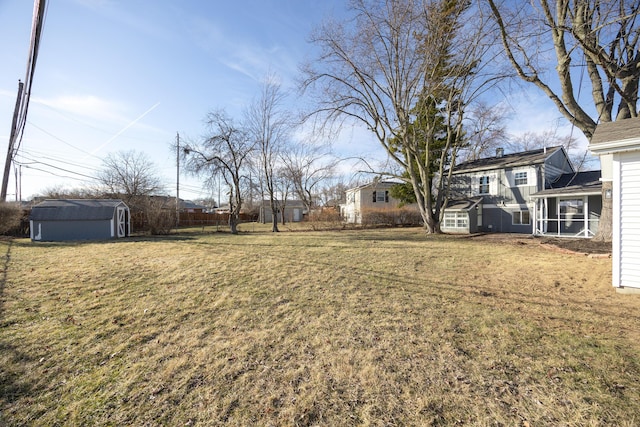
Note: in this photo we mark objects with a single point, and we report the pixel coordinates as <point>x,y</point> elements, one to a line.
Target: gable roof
<point>375,184</point>
<point>524,158</point>
<point>75,209</point>
<point>580,183</point>
<point>615,136</point>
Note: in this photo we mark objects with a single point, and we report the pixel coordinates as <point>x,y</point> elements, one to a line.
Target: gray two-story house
<point>528,192</point>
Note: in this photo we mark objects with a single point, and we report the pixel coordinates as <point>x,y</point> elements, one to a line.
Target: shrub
<point>390,217</point>
<point>10,216</point>
<point>325,219</point>
<point>158,219</point>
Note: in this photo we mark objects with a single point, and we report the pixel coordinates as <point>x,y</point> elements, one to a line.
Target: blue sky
<point>117,75</point>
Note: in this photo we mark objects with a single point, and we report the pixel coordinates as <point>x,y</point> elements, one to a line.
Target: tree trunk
<point>605,225</point>
<point>233,223</point>
<point>274,221</point>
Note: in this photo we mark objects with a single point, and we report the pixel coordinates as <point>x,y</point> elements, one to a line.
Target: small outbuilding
<point>79,219</point>
<point>618,145</point>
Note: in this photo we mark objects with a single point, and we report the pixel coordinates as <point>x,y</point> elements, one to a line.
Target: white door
<point>122,222</point>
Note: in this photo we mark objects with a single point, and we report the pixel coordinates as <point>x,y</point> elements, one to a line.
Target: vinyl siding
<point>629,219</point>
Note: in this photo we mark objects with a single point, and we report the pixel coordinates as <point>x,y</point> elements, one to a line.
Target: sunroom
<point>571,208</point>
<point>462,216</point>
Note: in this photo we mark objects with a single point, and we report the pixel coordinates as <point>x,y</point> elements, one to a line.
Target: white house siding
<point>360,199</point>
<point>626,220</point>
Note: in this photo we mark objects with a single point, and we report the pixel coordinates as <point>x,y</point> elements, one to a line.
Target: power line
<point>62,140</point>
<point>24,93</point>
<point>35,157</point>
<point>55,167</point>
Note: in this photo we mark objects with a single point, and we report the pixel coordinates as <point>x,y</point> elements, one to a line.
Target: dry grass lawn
<point>350,328</point>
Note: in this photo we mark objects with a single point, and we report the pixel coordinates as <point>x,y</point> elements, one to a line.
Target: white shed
<point>618,145</point>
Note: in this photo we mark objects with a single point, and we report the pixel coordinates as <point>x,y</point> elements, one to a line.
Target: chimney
<point>499,152</point>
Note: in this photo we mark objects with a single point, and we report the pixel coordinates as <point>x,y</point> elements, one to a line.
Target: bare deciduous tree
<point>130,175</point>
<point>306,166</point>
<point>225,151</point>
<point>268,126</point>
<point>397,55</point>
<point>595,39</point>
<point>486,131</point>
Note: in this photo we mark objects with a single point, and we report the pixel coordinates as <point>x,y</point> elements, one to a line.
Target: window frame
<point>484,185</point>
<point>520,178</point>
<point>519,214</point>
<point>380,196</point>
<point>460,220</point>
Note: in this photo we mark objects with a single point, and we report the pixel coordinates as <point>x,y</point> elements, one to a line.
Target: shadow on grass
<point>12,385</point>
<point>132,239</point>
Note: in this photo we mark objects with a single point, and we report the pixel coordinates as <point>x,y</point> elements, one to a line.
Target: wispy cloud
<point>88,106</point>
<point>252,58</point>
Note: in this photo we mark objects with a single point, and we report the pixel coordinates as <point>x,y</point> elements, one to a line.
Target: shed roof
<point>75,209</point>
<point>524,158</point>
<point>584,183</point>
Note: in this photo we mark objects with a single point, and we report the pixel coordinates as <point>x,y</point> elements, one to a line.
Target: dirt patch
<point>586,246</point>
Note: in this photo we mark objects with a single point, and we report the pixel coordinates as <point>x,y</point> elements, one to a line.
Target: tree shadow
<point>13,385</point>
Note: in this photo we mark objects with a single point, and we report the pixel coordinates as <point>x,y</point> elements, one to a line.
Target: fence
<point>140,222</point>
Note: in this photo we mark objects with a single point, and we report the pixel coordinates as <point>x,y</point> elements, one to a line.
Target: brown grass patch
<point>374,327</point>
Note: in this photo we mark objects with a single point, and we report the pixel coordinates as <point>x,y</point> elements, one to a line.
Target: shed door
<point>122,222</point>
<point>629,219</point>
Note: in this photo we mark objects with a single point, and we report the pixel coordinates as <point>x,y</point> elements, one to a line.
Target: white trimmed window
<point>483,187</point>
<point>520,178</point>
<point>521,217</point>
<point>381,197</point>
<point>455,220</point>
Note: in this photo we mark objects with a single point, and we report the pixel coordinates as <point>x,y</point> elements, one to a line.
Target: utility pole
<point>24,93</point>
<point>12,139</point>
<point>177,179</point>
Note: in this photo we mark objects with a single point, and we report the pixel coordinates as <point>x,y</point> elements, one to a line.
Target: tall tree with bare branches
<point>225,152</point>
<point>593,43</point>
<point>399,60</point>
<point>268,126</point>
<point>307,166</point>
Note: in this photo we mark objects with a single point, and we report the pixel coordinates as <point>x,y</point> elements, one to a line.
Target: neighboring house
<point>505,194</point>
<point>372,197</point>
<point>79,219</point>
<point>294,211</point>
<point>618,145</point>
<point>191,207</point>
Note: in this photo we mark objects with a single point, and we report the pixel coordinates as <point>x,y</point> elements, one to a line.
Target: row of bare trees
<point>260,144</point>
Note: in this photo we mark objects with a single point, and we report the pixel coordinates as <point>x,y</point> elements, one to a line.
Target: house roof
<point>189,204</point>
<point>615,136</point>
<point>580,183</point>
<point>376,184</point>
<point>75,209</point>
<point>524,158</point>
<point>463,204</point>
<point>289,203</point>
